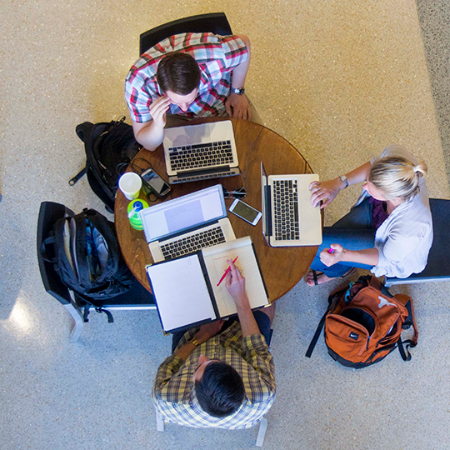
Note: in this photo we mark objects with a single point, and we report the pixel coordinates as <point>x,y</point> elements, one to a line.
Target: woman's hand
<point>333,255</point>
<point>325,191</point>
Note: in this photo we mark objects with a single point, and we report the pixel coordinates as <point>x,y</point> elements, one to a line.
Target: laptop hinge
<point>268,207</point>
<point>193,173</point>
<point>189,230</point>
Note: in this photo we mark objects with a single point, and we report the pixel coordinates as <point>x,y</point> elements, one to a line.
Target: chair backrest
<point>439,258</point>
<point>216,23</point>
<point>49,213</point>
<point>438,265</point>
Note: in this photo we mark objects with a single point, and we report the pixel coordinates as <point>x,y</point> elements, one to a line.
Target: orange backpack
<point>364,323</point>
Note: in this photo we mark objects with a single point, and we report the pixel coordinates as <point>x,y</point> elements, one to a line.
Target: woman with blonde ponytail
<point>388,231</point>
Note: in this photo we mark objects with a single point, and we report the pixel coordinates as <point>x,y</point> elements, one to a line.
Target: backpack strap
<point>375,283</point>
<point>79,175</point>
<point>43,250</point>
<point>61,264</point>
<point>410,321</point>
<point>332,302</point>
<point>84,132</point>
<point>108,313</point>
<point>313,343</point>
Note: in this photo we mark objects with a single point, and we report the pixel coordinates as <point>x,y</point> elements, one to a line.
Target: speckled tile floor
<point>434,18</point>
<point>338,79</point>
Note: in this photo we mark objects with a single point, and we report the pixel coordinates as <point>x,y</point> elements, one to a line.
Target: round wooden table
<point>282,268</point>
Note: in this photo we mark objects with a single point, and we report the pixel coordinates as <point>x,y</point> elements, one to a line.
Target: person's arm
<point>237,105</point>
<point>151,134</point>
<point>205,333</point>
<point>254,348</point>
<point>326,191</point>
<point>368,256</point>
<point>235,284</point>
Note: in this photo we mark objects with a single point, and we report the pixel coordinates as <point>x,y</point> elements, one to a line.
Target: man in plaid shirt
<point>220,376</point>
<point>189,75</point>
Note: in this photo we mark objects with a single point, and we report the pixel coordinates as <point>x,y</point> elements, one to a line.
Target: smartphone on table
<point>245,212</point>
<point>157,185</point>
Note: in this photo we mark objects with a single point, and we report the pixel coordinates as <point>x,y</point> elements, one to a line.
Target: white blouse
<point>404,239</point>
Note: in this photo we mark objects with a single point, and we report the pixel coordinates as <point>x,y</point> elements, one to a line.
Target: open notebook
<point>186,290</point>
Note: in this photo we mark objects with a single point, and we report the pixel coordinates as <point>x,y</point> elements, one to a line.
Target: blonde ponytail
<point>421,169</point>
<point>397,177</point>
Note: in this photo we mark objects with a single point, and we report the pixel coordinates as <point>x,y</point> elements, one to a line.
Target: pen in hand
<point>226,272</point>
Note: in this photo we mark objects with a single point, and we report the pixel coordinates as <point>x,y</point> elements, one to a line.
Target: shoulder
<point>412,220</point>
<point>144,69</point>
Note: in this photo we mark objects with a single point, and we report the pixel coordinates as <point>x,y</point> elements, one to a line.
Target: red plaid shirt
<point>216,56</point>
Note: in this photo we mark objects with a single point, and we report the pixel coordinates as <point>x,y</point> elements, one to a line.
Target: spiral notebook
<point>186,290</point>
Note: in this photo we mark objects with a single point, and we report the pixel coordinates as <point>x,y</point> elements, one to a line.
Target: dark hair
<point>179,73</point>
<point>221,390</point>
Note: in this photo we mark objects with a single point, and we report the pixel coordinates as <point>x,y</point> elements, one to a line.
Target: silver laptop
<point>288,218</point>
<point>186,224</point>
<point>199,152</point>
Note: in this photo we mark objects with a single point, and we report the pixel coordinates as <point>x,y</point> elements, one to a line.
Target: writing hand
<point>235,284</point>
<point>237,106</point>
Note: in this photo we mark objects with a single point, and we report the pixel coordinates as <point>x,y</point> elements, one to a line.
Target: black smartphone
<point>157,185</point>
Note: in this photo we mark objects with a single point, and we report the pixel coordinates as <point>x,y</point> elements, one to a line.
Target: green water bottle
<point>133,213</point>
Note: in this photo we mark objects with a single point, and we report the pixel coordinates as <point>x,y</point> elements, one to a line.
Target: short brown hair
<point>178,73</point>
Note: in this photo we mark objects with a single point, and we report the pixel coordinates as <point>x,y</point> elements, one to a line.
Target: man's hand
<point>332,258</point>
<point>235,284</point>
<point>158,110</point>
<point>237,106</point>
<point>325,191</point>
<point>208,331</point>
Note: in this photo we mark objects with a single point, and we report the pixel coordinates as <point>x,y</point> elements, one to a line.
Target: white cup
<point>130,184</point>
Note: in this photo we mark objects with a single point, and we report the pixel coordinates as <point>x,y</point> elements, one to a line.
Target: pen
<point>226,272</point>
<point>331,250</point>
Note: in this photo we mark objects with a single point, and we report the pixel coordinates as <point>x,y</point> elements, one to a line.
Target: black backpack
<point>87,256</point>
<point>109,147</point>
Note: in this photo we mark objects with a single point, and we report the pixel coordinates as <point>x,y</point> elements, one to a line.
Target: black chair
<point>137,298</point>
<point>216,23</point>
<point>438,266</point>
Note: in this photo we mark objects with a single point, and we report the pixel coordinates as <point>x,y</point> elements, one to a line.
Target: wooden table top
<point>282,268</point>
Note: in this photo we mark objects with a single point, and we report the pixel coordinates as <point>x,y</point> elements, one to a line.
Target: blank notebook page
<point>181,292</point>
<point>216,264</point>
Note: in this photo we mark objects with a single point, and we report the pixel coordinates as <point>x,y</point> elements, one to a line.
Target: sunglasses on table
<point>238,193</point>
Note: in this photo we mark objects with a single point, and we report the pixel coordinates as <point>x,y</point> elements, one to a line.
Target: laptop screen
<point>183,213</point>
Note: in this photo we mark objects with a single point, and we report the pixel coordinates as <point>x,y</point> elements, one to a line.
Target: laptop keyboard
<point>191,244</point>
<point>201,155</point>
<point>285,198</point>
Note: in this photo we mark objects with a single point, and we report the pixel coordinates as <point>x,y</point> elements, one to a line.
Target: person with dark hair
<point>220,374</point>
<point>186,76</point>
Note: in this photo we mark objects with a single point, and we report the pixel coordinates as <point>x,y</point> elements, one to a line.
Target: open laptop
<point>288,218</point>
<point>199,152</point>
<point>186,224</point>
